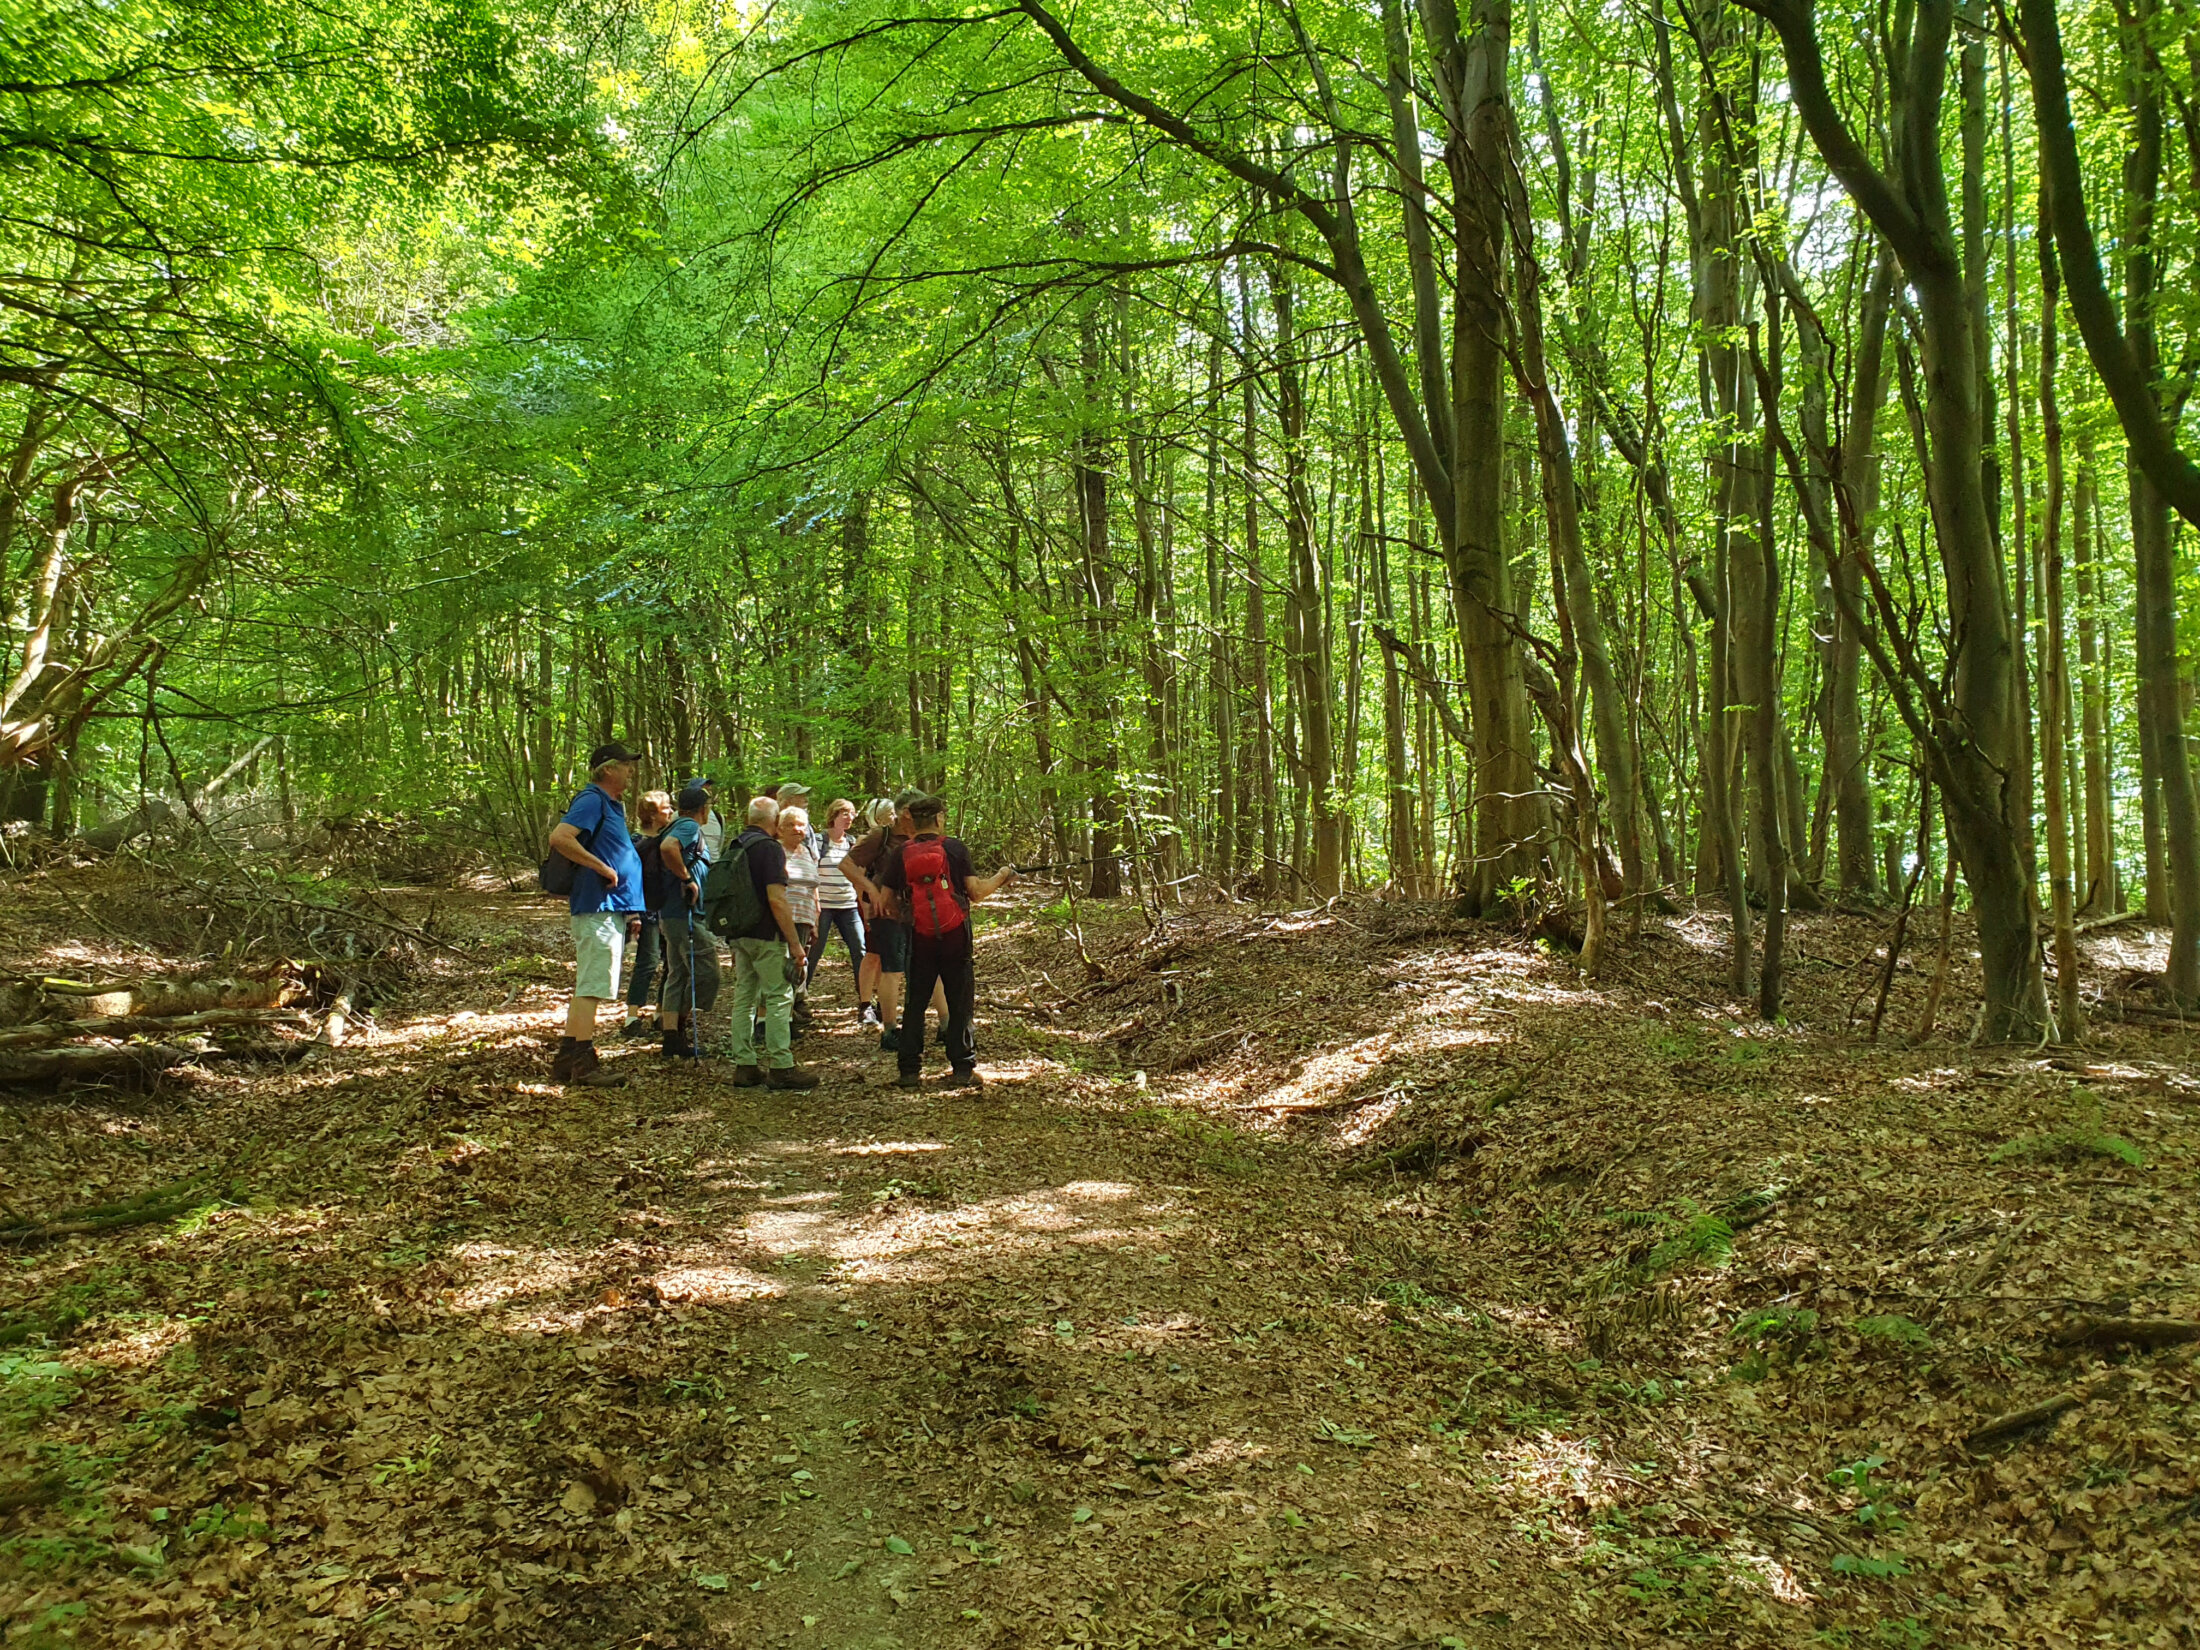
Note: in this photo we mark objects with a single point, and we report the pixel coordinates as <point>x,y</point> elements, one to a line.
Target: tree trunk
<point>2054,686</point>
<point>2100,818</point>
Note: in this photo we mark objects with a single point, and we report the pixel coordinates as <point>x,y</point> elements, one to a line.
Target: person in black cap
<point>607,889</point>
<point>714,828</point>
<point>691,951</point>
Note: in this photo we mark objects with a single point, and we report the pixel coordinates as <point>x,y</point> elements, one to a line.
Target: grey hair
<point>795,811</point>
<point>880,815</point>
<point>763,811</point>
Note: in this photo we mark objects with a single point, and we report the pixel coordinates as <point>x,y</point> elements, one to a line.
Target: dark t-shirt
<point>893,873</point>
<point>867,855</point>
<point>767,865</point>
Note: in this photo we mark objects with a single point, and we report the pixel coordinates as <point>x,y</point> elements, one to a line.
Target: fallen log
<point>54,1065</point>
<point>2023,1420</point>
<point>138,1025</point>
<point>2151,1333</point>
<point>29,998</point>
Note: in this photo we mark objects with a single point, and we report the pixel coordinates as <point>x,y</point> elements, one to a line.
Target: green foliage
<point>1877,1509</point>
<point>2083,1138</point>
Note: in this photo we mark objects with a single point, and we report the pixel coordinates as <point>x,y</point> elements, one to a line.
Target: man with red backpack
<point>935,881</point>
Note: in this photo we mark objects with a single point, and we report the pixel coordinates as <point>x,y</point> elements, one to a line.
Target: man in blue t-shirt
<point>691,953</point>
<point>607,889</point>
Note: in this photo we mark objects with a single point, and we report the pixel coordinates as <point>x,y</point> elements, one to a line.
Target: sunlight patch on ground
<point>876,1245</point>
<point>1779,1580</point>
<point>1326,1076</point>
<point>889,1148</point>
<point>142,1343</point>
<point>717,1285</point>
<point>1367,1121</point>
<point>508,1274</point>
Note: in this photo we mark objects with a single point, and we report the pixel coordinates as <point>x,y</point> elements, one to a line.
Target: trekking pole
<point>695,1029</point>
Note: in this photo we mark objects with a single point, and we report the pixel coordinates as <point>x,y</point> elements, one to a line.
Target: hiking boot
<point>561,1063</point>
<point>583,1068</point>
<point>790,1077</point>
<point>867,1014</point>
<point>748,1077</point>
<point>909,1080</point>
<point>966,1078</point>
<point>638,1030</point>
<point>802,1015</point>
<point>889,1041</point>
<point>677,1046</point>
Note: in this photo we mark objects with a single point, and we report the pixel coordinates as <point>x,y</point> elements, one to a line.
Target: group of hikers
<point>650,902</point>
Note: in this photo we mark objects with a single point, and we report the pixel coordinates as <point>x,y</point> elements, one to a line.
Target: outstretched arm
<point>979,888</point>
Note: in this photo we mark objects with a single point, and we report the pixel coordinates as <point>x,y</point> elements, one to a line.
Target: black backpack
<point>558,872</point>
<point>655,888</point>
<point>731,906</point>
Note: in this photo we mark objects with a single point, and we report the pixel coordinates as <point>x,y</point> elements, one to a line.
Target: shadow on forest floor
<point>1342,1276</point>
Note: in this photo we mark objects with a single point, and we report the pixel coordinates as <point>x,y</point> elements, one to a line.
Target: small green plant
<point>218,1523</point>
<point>895,1191</point>
<point>1869,1567</point>
<point>706,1390</point>
<point>1878,1510</point>
<point>32,1386</point>
<point>1409,1296</point>
<point>1895,1329</point>
<point>2085,1138</point>
<point>417,1465</point>
<point>1694,1236</point>
<point>1795,1327</point>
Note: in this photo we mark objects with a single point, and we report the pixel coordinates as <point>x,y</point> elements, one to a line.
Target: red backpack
<point>933,907</point>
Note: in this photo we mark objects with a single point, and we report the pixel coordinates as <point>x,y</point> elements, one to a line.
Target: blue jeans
<point>645,962</point>
<point>850,926</point>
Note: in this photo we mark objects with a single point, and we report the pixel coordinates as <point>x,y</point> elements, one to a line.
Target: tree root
<point>146,1209</point>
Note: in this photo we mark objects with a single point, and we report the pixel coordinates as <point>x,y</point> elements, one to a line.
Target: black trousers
<point>950,959</point>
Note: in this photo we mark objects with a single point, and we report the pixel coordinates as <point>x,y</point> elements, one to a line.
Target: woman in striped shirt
<point>836,900</point>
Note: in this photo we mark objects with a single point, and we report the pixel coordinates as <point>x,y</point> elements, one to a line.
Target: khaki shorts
<point>599,947</point>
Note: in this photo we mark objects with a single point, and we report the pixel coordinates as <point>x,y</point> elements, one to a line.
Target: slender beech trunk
<point>1256,626</point>
<point>2054,686</point>
<point>1306,629</point>
<point>2100,817</point>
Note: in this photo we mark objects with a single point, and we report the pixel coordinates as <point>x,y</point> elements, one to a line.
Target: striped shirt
<point>802,887</point>
<point>834,891</point>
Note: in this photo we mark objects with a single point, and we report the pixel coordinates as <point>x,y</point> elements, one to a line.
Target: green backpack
<point>730,906</point>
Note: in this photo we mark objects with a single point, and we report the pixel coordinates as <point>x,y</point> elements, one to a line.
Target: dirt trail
<point>1339,1332</point>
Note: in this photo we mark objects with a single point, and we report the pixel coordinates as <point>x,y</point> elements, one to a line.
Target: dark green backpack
<point>730,904</point>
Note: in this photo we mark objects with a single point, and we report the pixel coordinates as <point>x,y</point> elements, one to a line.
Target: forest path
<point>466,1355</point>
<point>1143,1345</point>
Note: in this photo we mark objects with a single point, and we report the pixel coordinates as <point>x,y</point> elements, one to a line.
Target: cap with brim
<point>793,787</point>
<point>613,752</point>
<point>701,782</point>
<point>690,798</point>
